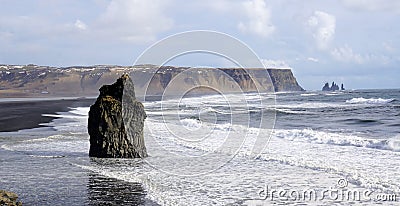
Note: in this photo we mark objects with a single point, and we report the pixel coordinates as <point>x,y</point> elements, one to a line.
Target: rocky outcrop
<point>9,198</point>
<point>284,80</point>
<point>32,80</point>
<point>116,122</point>
<point>333,87</point>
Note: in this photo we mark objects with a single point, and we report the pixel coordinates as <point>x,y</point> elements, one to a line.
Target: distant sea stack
<point>78,81</point>
<point>116,122</point>
<point>333,87</point>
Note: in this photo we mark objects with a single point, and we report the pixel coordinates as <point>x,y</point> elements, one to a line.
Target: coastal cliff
<point>284,80</point>
<point>78,81</point>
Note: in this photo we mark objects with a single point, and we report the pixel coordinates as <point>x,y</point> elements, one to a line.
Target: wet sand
<point>27,114</point>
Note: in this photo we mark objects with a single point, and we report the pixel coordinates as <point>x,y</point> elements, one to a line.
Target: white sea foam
<point>225,100</point>
<point>349,103</point>
<point>46,139</point>
<point>289,111</point>
<point>308,94</point>
<point>7,147</point>
<point>301,158</point>
<point>361,167</point>
<point>305,149</point>
<point>311,105</point>
<point>51,146</point>
<point>333,94</point>
<point>84,111</point>
<point>65,116</point>
<point>394,143</point>
<point>296,135</point>
<point>191,124</point>
<point>362,100</point>
<point>285,92</point>
<point>321,137</point>
<point>48,156</point>
<point>291,154</point>
<point>70,121</point>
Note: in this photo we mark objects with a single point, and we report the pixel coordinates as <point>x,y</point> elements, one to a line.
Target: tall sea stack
<point>116,122</point>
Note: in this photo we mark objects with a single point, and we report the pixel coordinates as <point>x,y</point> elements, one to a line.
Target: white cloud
<point>5,35</point>
<point>374,5</point>
<point>323,26</point>
<point>388,47</point>
<point>220,5</point>
<point>258,18</point>
<point>346,54</point>
<point>135,20</point>
<point>276,64</point>
<point>80,25</point>
<point>311,59</point>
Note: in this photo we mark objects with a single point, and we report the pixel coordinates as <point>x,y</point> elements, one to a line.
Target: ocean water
<point>309,148</point>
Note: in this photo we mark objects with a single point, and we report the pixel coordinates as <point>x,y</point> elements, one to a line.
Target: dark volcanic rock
<point>116,122</point>
<point>326,87</point>
<point>8,198</point>
<point>334,87</point>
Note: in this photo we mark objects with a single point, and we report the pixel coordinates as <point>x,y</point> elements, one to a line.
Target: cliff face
<point>31,80</point>
<point>284,80</point>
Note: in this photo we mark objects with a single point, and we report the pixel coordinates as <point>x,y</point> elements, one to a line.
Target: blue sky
<point>356,42</point>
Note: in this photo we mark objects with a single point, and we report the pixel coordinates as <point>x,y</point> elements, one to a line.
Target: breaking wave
<point>322,137</point>
<point>362,100</point>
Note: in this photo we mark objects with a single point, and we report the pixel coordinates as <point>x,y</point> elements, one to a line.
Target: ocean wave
<point>311,105</point>
<point>46,139</point>
<point>290,147</point>
<point>83,111</point>
<point>191,124</point>
<point>65,116</point>
<point>310,149</point>
<point>362,121</point>
<point>73,113</point>
<point>333,94</point>
<point>308,94</point>
<point>7,147</point>
<point>289,111</point>
<point>52,146</point>
<point>73,121</point>
<point>286,92</point>
<point>362,100</point>
<point>48,156</point>
<point>300,135</point>
<point>305,148</point>
<point>345,165</point>
<point>394,143</point>
<point>322,137</point>
<point>156,190</point>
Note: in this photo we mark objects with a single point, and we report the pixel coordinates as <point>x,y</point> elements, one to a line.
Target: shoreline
<point>28,114</point>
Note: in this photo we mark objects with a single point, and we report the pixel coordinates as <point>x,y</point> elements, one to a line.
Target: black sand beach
<point>18,115</point>
<point>61,183</point>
